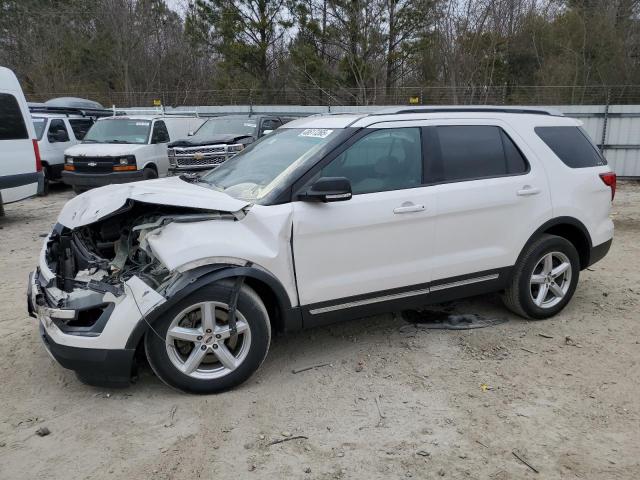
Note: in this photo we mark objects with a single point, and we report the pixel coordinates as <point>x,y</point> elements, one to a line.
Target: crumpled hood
<point>103,149</point>
<point>197,140</point>
<point>95,204</point>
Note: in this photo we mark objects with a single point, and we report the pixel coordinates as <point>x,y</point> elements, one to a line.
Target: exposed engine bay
<point>91,263</point>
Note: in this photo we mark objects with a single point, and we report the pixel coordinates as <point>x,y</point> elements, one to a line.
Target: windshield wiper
<point>116,141</point>
<point>89,140</point>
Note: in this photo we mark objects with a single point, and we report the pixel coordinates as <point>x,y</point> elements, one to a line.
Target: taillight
<point>36,150</point>
<point>609,180</point>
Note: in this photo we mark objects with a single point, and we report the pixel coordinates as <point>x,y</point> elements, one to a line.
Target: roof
<point>407,113</point>
<point>8,80</point>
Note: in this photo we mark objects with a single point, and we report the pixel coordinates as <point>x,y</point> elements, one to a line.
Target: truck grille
<point>93,164</point>
<point>199,158</point>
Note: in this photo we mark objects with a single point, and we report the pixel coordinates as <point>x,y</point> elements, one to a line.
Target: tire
<point>173,359</point>
<point>526,294</point>
<point>46,181</point>
<point>149,173</point>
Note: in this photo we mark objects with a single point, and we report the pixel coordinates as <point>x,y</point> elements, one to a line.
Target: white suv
<point>328,218</point>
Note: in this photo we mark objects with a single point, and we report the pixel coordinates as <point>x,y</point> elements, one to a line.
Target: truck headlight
<point>235,148</point>
<point>68,160</point>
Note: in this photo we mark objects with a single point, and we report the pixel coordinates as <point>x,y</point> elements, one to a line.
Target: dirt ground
<point>395,401</point>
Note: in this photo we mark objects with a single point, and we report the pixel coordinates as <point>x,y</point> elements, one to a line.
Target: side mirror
<point>266,132</point>
<point>328,189</point>
<point>191,134</point>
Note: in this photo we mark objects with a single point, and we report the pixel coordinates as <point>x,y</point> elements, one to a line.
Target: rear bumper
<point>599,251</point>
<point>90,180</point>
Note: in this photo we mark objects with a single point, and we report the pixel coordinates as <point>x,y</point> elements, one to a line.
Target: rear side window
<point>12,126</point>
<point>572,146</point>
<point>80,127</point>
<point>467,152</point>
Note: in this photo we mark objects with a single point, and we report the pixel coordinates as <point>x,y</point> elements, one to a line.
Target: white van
<point>20,167</point>
<point>60,123</point>
<point>124,149</point>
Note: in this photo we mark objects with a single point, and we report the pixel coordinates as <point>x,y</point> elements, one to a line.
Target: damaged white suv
<point>326,219</point>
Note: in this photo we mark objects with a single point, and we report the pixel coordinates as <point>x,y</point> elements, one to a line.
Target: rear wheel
<point>192,348</point>
<point>544,279</point>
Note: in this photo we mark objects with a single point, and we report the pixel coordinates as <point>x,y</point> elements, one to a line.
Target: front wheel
<point>544,279</point>
<point>45,181</point>
<point>192,348</point>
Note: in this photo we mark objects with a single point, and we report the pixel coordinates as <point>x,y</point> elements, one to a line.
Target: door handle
<point>408,209</point>
<point>527,191</point>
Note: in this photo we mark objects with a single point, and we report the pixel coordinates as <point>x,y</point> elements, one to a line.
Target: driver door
<point>375,246</point>
<point>158,147</point>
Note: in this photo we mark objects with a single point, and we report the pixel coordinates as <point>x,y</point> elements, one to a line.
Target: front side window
<point>571,145</point>
<point>12,126</point>
<point>160,133</point>
<point>80,127</point>
<point>119,130</point>
<point>57,131</point>
<point>270,163</point>
<point>389,159</point>
<point>468,152</point>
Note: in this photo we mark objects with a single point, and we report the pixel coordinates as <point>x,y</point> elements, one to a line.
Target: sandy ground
<point>414,408</point>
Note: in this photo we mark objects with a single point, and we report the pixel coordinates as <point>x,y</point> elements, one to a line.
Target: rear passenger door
<point>491,195</point>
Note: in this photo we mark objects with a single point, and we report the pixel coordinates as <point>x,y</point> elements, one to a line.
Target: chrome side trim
<point>396,296</point>
<point>467,281</point>
<point>368,301</point>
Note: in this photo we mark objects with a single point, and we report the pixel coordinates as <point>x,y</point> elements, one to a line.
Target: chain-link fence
<point>473,95</point>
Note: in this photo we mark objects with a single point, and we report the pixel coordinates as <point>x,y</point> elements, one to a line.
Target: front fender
<point>199,277</point>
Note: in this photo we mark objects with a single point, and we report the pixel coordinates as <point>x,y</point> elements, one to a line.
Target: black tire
<point>45,183</point>
<point>149,173</point>
<point>249,305</point>
<point>518,296</point>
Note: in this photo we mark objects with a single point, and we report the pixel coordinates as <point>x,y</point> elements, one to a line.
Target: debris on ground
<point>520,457</point>
<point>43,432</point>
<point>442,320</point>
<point>360,366</point>
<point>287,439</point>
<point>310,367</point>
<point>544,335</point>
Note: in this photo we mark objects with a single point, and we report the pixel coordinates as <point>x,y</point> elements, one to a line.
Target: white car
<point>20,166</point>
<point>328,218</point>
<point>60,124</point>
<point>122,149</point>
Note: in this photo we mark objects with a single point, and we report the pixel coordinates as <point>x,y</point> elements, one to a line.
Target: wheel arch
<point>569,228</point>
<point>282,315</point>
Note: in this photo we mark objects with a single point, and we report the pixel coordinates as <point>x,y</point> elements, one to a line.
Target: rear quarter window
<point>12,126</point>
<point>572,146</point>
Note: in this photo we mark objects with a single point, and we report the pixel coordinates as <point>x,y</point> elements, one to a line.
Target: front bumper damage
<point>96,285</point>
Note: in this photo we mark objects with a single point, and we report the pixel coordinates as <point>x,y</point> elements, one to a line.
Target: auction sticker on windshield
<point>316,133</point>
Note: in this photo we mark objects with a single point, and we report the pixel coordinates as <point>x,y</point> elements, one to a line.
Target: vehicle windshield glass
<point>39,123</point>
<point>119,130</point>
<point>222,125</point>
<point>266,164</point>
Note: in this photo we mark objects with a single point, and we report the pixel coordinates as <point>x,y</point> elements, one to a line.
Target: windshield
<point>39,123</point>
<point>266,164</point>
<point>222,125</point>
<point>118,130</point>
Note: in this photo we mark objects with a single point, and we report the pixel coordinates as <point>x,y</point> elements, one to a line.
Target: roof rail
<point>85,112</point>
<point>470,109</point>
